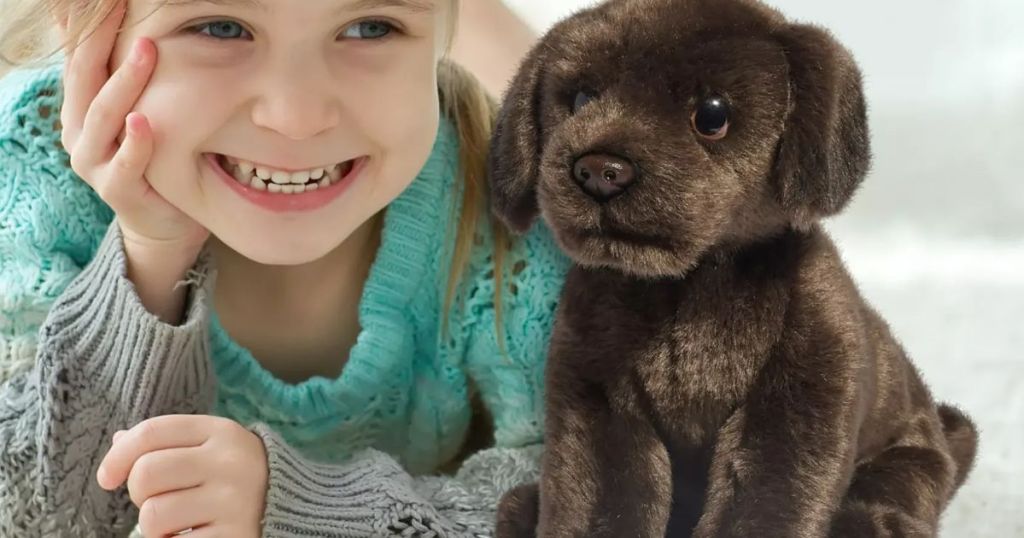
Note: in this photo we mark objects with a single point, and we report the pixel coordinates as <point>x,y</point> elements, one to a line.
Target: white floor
<point>935,237</point>
<point>965,334</point>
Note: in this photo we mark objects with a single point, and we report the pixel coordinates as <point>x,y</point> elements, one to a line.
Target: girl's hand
<point>190,472</point>
<point>110,146</point>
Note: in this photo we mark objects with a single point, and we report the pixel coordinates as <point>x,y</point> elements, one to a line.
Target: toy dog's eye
<point>582,97</point>
<point>711,118</point>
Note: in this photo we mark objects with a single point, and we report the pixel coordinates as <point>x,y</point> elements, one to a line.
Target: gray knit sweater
<point>105,363</point>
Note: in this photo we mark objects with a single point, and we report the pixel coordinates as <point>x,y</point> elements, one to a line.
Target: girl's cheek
<point>184,115</point>
<point>190,97</point>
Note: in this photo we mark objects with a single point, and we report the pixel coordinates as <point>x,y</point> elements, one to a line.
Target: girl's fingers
<point>165,471</point>
<point>106,114</point>
<point>157,433</point>
<point>176,511</point>
<point>121,183</point>
<point>86,72</point>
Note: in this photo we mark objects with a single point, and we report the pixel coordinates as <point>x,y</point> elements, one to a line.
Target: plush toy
<point>713,369</point>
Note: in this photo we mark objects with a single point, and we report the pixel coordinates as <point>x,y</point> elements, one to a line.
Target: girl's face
<point>290,86</point>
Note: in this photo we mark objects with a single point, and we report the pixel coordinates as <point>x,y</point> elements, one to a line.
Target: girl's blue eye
<point>221,30</point>
<point>229,30</point>
<point>368,30</point>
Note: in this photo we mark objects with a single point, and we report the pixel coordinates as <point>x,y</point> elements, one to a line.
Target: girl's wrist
<point>155,271</point>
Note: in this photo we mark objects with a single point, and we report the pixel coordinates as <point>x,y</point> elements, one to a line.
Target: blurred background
<point>935,236</point>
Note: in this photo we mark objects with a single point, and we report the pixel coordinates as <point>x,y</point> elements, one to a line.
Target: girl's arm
<point>103,363</point>
<point>490,41</point>
<point>371,495</point>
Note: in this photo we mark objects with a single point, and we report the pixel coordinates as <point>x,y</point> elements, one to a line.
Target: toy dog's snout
<point>603,176</point>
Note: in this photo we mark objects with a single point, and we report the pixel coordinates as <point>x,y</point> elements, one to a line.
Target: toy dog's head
<point>647,132</point>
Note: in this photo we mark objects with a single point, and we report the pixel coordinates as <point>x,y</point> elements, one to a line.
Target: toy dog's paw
<point>518,512</point>
<point>865,521</point>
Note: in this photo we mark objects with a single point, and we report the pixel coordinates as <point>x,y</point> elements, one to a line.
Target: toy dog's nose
<point>603,176</point>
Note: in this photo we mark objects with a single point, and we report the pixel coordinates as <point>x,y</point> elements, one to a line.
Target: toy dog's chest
<point>675,349</point>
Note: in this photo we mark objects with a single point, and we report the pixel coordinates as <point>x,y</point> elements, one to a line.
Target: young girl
<point>265,266</point>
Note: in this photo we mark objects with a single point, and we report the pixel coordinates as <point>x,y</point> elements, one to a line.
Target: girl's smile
<point>282,191</point>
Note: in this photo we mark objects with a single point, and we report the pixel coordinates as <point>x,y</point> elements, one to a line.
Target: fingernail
<point>134,130</point>
<point>137,55</point>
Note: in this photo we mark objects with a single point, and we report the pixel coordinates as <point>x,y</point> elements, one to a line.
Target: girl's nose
<point>296,108</point>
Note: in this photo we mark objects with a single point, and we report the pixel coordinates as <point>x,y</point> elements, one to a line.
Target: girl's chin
<point>283,250</point>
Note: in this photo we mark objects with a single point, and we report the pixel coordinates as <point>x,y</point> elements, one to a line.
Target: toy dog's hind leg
<point>901,491</point>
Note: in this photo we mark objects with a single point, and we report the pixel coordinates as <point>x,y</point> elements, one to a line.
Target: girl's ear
<point>514,156</point>
<point>825,149</point>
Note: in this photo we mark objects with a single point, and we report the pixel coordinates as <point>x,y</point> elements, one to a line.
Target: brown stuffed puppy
<point>713,370</point>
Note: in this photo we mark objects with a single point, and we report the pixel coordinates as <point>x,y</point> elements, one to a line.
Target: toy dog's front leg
<point>517,512</point>
<point>781,463</point>
<point>605,471</point>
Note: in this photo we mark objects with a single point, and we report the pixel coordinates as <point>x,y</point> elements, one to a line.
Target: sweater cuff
<point>369,495</point>
<point>126,351</point>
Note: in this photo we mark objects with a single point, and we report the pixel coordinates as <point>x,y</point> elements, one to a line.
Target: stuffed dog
<point>713,370</point>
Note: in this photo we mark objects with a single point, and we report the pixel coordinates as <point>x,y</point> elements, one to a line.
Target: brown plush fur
<point>713,370</point>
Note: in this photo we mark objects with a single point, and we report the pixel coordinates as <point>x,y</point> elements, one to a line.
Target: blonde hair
<point>473,112</point>
<point>27,31</point>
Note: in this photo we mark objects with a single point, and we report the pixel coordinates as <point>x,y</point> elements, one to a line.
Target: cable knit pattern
<point>89,380</point>
<point>342,447</point>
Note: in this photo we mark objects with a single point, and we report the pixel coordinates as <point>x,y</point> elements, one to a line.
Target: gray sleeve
<point>103,363</point>
<point>372,496</point>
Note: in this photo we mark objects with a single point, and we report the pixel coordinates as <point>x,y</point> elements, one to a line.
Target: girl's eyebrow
<point>413,6</point>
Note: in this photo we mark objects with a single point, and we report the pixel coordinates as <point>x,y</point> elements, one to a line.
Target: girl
<point>261,287</point>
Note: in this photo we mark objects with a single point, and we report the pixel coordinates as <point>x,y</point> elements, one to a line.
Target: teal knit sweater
<point>405,390</point>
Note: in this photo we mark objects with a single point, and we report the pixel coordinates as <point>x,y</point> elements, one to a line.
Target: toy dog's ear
<point>825,150</point>
<point>513,162</point>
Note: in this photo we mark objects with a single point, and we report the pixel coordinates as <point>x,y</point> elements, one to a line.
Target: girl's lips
<point>283,203</point>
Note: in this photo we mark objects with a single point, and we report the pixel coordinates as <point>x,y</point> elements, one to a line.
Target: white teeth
<point>281,178</point>
<point>276,181</point>
<point>242,177</point>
